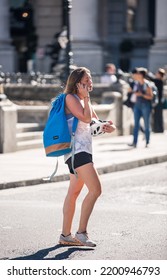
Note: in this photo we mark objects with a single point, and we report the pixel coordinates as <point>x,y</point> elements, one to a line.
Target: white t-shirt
<point>108,79</point>
<point>83,137</point>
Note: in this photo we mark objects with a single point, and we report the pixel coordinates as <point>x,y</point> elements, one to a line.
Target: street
<point>129,221</point>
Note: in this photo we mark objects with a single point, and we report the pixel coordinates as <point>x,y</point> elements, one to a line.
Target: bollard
<point>115,114</point>
<point>8,121</point>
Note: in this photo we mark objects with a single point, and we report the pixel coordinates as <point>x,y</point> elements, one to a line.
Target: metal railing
<point>38,78</point>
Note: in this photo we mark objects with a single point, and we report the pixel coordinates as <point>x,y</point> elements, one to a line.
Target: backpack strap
<point>49,178</point>
<point>74,127</point>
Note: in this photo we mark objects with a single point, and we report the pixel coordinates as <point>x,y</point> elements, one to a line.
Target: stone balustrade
<point>10,114</point>
<point>47,92</point>
<point>32,114</point>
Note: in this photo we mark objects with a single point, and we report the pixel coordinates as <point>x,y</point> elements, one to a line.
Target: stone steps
<point>30,144</point>
<point>25,136</point>
<point>27,127</point>
<point>29,136</point>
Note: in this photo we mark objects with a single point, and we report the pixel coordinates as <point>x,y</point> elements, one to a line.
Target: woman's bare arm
<point>74,106</point>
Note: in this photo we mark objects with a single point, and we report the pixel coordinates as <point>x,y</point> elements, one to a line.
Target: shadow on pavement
<point>41,254</point>
<point>120,147</point>
<point>112,143</point>
<point>116,150</point>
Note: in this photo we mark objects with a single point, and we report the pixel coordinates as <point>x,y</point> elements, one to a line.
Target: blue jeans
<point>142,109</point>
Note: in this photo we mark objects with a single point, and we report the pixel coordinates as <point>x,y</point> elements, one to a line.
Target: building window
<point>16,3</point>
<point>131,15</point>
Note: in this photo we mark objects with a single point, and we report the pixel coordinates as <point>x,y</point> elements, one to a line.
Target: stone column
<point>158,52</point>
<point>84,31</point>
<point>141,36</point>
<point>6,50</point>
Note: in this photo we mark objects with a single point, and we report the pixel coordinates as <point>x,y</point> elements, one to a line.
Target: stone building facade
<point>128,33</point>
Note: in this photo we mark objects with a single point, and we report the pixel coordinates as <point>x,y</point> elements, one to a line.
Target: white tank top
<point>83,137</point>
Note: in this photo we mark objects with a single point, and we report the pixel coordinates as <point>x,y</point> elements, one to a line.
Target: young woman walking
<point>78,87</point>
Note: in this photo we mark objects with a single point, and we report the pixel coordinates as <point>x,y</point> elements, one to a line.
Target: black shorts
<point>80,159</point>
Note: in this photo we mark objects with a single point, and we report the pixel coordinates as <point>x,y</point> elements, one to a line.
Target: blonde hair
<point>74,78</point>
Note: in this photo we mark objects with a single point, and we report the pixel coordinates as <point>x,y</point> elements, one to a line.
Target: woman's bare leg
<point>75,187</point>
<point>90,177</point>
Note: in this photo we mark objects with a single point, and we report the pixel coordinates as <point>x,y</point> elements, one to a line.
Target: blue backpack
<point>57,139</point>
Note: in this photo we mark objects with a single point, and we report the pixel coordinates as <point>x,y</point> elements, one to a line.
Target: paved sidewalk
<point>111,153</point>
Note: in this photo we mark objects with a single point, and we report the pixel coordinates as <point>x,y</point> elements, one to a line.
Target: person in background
<point>109,76</point>
<point>142,106</point>
<point>158,126</point>
<point>131,95</point>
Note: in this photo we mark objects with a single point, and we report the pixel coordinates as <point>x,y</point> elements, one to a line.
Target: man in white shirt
<point>109,77</point>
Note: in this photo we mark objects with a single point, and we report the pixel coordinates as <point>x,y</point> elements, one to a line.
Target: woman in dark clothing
<point>158,110</point>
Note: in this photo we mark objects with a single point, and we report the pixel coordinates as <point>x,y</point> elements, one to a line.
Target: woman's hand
<point>109,127</point>
<point>83,90</point>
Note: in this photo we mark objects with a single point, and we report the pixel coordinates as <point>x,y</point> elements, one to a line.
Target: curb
<point>101,170</point>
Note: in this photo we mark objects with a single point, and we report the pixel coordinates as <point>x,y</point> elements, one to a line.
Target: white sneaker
<point>69,240</point>
<point>84,239</point>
